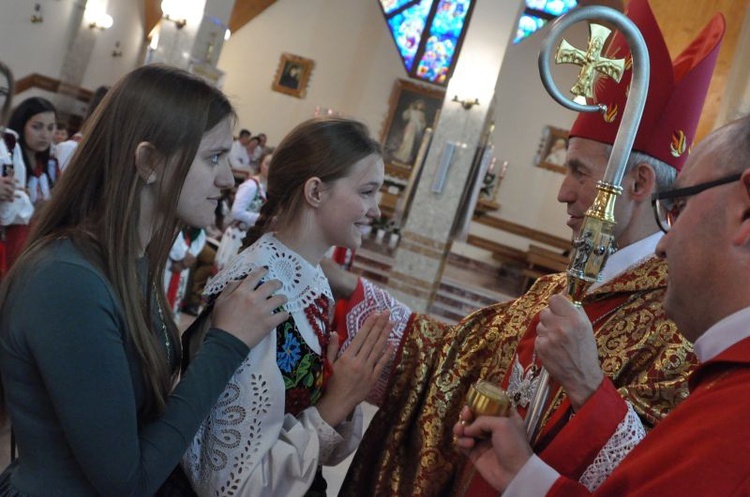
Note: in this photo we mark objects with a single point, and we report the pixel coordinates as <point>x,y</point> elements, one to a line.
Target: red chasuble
<point>408,449</point>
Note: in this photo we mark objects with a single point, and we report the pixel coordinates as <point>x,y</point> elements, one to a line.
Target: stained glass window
<point>538,13</point>
<point>428,34</point>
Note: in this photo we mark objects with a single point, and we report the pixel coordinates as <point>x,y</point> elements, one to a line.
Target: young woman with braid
<point>293,404</point>
<point>89,376</point>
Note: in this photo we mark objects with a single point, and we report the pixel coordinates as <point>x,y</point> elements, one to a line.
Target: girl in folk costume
<point>95,368</point>
<point>34,121</point>
<point>182,258</point>
<point>15,206</point>
<point>250,196</point>
<point>293,403</point>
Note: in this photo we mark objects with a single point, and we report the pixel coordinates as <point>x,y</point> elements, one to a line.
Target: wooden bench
<point>541,261</point>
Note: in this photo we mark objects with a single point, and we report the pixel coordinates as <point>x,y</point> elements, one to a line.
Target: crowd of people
<point>156,210</point>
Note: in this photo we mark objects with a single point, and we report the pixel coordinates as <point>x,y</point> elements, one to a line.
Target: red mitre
<point>676,90</point>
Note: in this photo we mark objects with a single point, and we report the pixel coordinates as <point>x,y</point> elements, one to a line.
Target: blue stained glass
<point>527,25</point>
<point>407,28</point>
<point>391,5</point>
<point>552,7</point>
<point>440,49</point>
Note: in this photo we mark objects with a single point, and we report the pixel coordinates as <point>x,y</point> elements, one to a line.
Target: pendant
<point>523,382</point>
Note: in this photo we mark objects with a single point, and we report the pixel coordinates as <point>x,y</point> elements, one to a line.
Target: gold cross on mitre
<point>591,61</point>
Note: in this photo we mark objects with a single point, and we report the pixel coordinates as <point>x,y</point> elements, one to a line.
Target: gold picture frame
<point>293,75</point>
<point>411,109</point>
<point>552,149</point>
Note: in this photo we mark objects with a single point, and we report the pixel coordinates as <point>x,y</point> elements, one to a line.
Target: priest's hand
<point>566,346</point>
<point>495,445</point>
<point>357,370</point>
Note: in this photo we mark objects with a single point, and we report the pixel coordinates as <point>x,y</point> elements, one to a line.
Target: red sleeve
<point>583,436</point>
<point>565,487</point>
<point>343,306</point>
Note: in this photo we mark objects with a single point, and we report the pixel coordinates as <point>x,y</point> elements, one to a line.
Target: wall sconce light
<point>36,16</point>
<point>169,9</point>
<point>101,21</point>
<point>117,52</point>
<point>466,104</point>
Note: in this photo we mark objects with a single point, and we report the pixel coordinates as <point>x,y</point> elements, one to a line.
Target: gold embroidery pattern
<point>408,449</point>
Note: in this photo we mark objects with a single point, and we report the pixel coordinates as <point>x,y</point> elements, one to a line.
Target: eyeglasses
<point>668,205</point>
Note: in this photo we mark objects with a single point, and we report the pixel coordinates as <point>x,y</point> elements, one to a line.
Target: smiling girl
<point>293,404</point>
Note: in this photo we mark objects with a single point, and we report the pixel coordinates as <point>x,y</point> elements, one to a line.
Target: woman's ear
<point>145,162</point>
<point>313,190</point>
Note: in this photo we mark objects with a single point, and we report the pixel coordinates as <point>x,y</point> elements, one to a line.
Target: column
<point>425,241</point>
<point>81,40</point>
<point>190,36</point>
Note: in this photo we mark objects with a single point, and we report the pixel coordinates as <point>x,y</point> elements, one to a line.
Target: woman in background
<point>34,120</point>
<point>15,206</point>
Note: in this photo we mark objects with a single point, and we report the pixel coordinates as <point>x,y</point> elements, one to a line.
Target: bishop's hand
<point>566,346</point>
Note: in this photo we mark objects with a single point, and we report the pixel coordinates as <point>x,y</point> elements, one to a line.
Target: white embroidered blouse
<point>251,444</point>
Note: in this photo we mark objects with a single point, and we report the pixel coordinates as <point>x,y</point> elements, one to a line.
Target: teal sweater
<point>74,389</point>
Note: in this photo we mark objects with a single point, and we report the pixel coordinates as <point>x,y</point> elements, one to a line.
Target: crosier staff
<point>596,238</point>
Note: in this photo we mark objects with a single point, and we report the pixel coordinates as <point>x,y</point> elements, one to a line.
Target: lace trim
<point>301,282</point>
<point>376,299</point>
<point>628,434</point>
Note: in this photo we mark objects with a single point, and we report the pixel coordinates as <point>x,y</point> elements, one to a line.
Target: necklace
<point>165,334</point>
<point>316,313</point>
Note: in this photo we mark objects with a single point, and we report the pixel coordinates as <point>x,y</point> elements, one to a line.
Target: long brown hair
<point>324,147</point>
<point>96,203</point>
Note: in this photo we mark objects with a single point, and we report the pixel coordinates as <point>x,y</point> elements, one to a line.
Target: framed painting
<point>553,148</point>
<point>412,108</point>
<point>292,75</point>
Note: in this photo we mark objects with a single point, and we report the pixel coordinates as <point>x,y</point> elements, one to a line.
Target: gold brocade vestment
<point>408,449</point>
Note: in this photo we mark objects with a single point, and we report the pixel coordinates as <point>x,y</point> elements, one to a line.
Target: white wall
<point>40,48</point>
<point>356,63</point>
<point>528,194</point>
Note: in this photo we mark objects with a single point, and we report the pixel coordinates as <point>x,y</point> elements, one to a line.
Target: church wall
<point>527,194</point>
<point>30,48</point>
<point>356,63</point>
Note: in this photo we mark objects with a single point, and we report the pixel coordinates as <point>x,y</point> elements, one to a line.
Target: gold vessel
<point>487,399</point>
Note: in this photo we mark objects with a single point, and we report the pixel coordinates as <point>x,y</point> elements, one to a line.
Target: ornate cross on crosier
<point>591,61</point>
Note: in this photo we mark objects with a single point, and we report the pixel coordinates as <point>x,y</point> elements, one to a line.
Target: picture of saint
<point>291,76</point>
<point>557,152</point>
<point>413,109</point>
<point>412,134</point>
